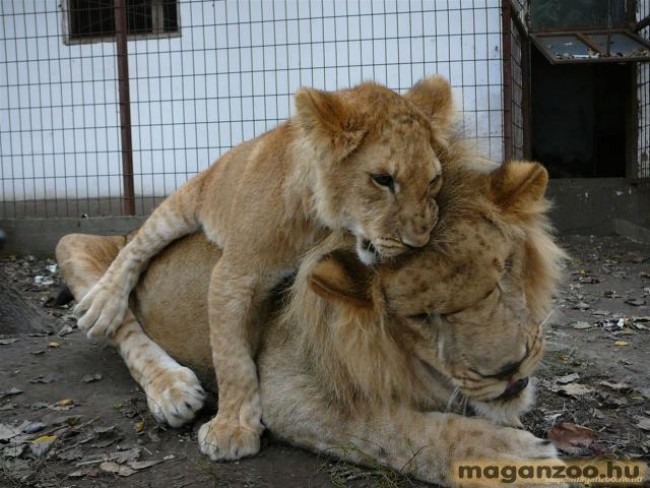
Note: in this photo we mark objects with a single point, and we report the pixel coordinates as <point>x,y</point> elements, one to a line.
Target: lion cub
<point>365,159</point>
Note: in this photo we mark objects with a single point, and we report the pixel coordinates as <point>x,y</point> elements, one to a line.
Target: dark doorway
<point>580,117</point>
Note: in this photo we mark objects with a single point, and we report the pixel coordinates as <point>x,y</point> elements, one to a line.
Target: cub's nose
<point>417,232</point>
<point>415,241</point>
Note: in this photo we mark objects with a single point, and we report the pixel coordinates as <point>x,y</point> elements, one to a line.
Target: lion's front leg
<point>174,394</point>
<point>427,446</point>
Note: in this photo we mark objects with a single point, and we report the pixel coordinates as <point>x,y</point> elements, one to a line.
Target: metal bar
<point>128,197</point>
<point>526,102</point>
<point>642,24</point>
<point>632,129</point>
<point>630,9</point>
<point>506,16</point>
<point>519,24</point>
<point>587,40</point>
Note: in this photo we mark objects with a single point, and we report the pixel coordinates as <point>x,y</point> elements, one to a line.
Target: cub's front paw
<point>226,441</point>
<point>174,395</point>
<point>101,311</point>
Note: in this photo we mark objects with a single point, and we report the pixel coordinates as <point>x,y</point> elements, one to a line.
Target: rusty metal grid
<point>643,100</point>
<point>516,85</point>
<point>227,75</point>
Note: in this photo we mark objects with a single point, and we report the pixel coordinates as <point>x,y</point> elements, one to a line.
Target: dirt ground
<point>71,416</point>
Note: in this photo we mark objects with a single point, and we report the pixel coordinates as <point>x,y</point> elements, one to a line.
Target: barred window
<point>94,20</point>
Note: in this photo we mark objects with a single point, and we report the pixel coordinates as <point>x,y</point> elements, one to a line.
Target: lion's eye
<point>384,179</point>
<point>420,317</point>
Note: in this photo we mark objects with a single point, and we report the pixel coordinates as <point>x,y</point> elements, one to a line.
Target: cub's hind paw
<point>174,396</point>
<point>101,311</point>
<point>228,441</point>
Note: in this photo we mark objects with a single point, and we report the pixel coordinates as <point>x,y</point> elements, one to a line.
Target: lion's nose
<point>514,388</point>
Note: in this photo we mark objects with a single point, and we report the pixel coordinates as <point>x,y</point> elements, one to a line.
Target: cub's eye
<point>435,185</point>
<point>384,179</point>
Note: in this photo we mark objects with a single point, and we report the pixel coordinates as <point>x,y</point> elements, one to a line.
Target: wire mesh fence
<point>205,75</point>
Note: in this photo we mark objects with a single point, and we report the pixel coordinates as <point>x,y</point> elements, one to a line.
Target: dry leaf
<point>581,325</point>
<point>139,426</point>
<point>10,392</point>
<point>41,445</point>
<point>567,378</point>
<point>138,465</point>
<point>8,431</point>
<point>65,404</point>
<point>14,451</point>
<point>575,389</point>
<point>571,438</point>
<point>616,386</point>
<point>128,456</point>
<point>118,469</point>
<point>89,378</point>
<point>643,423</point>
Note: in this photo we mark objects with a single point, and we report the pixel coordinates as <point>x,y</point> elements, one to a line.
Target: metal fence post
<point>128,206</point>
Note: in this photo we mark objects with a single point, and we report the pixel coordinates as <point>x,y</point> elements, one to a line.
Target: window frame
<point>584,37</point>
<point>157,33</point>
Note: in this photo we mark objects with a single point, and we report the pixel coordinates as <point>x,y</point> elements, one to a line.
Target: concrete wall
<point>581,206</point>
<point>592,206</point>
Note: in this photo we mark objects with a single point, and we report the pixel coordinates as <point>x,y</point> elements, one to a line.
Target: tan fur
<point>268,200</point>
<point>378,365</point>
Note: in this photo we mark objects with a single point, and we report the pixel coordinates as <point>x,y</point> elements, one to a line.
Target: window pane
<point>573,14</point>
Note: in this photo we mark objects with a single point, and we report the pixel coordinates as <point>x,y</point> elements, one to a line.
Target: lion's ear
<point>340,276</point>
<point>326,118</point>
<point>517,186</point>
<point>432,95</point>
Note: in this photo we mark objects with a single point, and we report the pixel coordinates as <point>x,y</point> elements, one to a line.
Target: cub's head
<point>459,319</point>
<point>377,157</point>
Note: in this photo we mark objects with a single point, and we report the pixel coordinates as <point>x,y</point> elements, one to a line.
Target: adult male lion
<point>365,159</point>
<point>373,365</point>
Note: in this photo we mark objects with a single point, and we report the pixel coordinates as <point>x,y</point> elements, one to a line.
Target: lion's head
<point>459,321</point>
<point>377,156</point>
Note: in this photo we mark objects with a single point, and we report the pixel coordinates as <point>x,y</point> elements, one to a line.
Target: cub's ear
<point>432,95</point>
<point>340,277</point>
<point>328,120</point>
<point>518,186</point>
